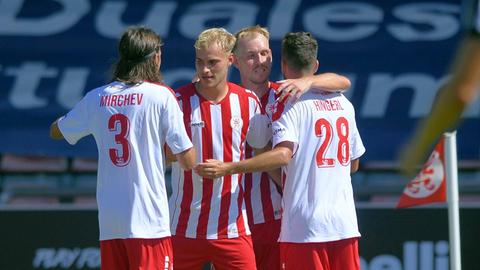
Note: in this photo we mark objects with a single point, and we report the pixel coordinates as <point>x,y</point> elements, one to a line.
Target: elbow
<point>284,157</point>
<point>347,83</point>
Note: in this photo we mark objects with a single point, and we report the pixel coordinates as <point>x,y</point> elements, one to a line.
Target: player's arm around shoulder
<point>329,82</point>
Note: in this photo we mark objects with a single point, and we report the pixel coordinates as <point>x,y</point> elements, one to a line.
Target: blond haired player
<point>208,218</point>
<point>131,119</point>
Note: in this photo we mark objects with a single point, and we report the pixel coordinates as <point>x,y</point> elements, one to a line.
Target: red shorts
<point>265,244</point>
<point>224,254</point>
<point>335,255</point>
<point>136,253</point>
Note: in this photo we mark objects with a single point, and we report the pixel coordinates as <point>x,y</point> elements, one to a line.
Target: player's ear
<point>158,59</point>
<point>315,66</point>
<point>235,60</point>
<point>230,58</point>
<point>283,67</point>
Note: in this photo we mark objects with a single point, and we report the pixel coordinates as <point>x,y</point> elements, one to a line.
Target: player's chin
<point>260,77</point>
<point>209,82</point>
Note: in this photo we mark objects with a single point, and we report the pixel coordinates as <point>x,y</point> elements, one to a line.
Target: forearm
<point>186,159</point>
<point>329,82</point>
<point>266,161</point>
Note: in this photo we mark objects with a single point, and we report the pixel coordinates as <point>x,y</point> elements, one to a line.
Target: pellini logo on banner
<point>67,258</point>
<point>424,255</point>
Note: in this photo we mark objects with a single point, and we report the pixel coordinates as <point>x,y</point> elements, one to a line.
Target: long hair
<point>136,49</point>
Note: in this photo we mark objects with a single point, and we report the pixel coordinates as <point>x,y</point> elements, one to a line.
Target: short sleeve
<point>285,128</point>
<point>76,123</point>
<point>259,131</point>
<point>357,147</point>
<point>174,129</point>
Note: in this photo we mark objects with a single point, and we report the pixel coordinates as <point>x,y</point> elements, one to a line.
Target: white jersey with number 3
<point>130,124</point>
<point>318,203</point>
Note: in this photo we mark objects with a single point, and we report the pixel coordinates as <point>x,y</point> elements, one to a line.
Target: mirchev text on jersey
<point>121,100</point>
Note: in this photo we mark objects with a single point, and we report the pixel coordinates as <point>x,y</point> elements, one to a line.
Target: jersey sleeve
<point>259,131</point>
<point>76,123</point>
<point>284,128</point>
<point>174,129</point>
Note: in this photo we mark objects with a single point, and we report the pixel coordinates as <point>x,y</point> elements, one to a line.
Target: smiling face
<point>212,65</point>
<point>253,58</point>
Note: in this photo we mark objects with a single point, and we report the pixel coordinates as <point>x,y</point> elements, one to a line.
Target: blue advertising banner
<point>396,54</point>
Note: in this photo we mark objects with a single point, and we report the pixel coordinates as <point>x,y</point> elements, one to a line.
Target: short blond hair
<point>220,36</point>
<point>250,32</point>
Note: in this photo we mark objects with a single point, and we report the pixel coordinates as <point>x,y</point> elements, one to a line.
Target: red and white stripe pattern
<point>204,208</point>
<point>262,198</point>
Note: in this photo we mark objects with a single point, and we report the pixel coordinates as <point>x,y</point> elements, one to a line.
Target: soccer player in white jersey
<point>317,142</point>
<point>461,90</point>
<point>253,58</point>
<point>208,218</point>
<point>131,119</point>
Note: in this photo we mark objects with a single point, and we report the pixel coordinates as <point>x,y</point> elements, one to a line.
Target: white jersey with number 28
<point>318,203</point>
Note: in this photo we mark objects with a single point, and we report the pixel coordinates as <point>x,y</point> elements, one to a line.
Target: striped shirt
<point>262,198</point>
<point>212,209</point>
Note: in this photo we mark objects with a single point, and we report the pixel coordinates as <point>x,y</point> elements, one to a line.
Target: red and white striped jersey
<point>262,198</point>
<point>204,208</point>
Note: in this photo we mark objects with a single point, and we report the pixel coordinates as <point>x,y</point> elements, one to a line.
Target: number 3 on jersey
<point>324,129</point>
<point>120,124</point>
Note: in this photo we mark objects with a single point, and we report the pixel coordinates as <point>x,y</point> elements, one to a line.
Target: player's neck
<point>259,89</point>
<point>214,94</point>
